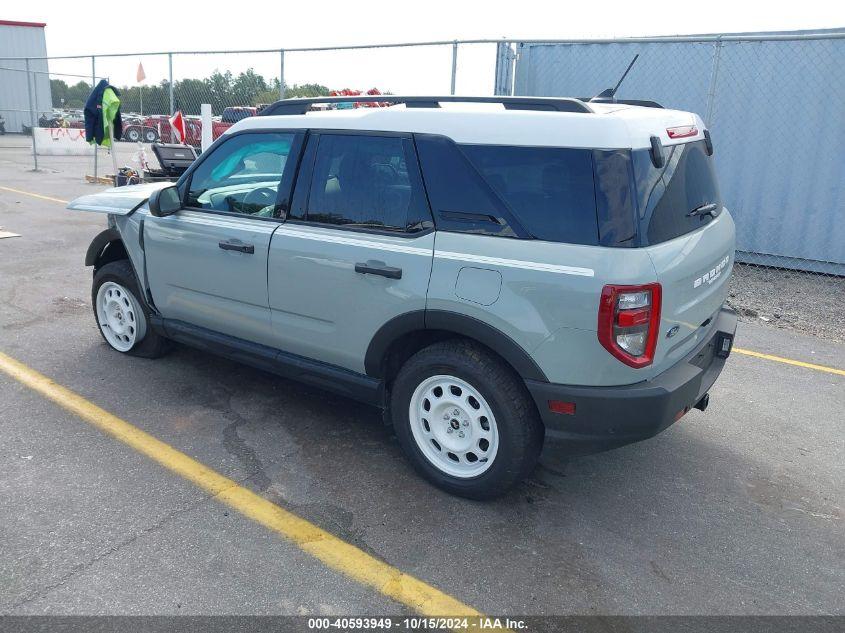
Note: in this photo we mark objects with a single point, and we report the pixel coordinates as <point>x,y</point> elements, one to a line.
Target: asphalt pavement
<point>738,510</point>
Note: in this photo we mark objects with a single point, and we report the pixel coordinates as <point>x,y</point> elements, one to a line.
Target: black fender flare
<point>444,320</point>
<point>99,244</point>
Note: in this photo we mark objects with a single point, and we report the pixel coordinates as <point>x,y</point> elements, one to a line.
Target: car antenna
<point>608,94</point>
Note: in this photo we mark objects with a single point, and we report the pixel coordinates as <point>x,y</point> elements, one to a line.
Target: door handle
<point>237,245</point>
<point>377,268</point>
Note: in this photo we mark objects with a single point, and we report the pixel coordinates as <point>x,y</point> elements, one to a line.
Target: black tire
<point>151,344</point>
<point>519,427</point>
<point>150,135</point>
<point>132,134</point>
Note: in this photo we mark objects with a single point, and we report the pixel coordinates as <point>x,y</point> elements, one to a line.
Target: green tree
<point>246,86</point>
<point>306,91</point>
<point>220,89</point>
<point>74,96</point>
<point>190,94</point>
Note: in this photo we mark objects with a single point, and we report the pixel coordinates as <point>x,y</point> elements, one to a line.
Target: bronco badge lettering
<point>713,274</point>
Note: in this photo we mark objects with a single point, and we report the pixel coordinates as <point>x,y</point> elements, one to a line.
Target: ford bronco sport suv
<point>492,272</point>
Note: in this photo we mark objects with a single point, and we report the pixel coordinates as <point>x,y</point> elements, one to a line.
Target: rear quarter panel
<point>548,300</point>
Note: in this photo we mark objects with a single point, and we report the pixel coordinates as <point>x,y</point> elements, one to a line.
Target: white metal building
<point>22,39</point>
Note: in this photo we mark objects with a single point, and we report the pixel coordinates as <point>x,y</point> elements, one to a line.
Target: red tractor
<point>156,128</point>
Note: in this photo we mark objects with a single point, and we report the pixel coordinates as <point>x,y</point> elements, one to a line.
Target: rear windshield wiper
<point>708,208</point>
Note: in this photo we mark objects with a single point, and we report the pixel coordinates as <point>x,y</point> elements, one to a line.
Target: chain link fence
<point>774,105</point>
<point>236,84</point>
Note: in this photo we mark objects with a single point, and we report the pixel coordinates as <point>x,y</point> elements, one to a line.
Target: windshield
<point>678,198</point>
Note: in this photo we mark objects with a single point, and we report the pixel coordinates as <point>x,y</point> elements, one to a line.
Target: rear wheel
<point>133,134</point>
<point>465,420</point>
<point>122,317</point>
<point>150,135</point>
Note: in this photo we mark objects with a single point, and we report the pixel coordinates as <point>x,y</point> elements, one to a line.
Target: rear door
<point>356,250</point>
<point>690,238</point>
<point>207,263</point>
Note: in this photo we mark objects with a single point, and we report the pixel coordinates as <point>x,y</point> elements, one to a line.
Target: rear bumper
<point>613,416</point>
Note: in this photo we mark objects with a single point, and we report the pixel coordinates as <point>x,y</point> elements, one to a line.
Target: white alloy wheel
<point>453,426</point>
<point>119,316</point>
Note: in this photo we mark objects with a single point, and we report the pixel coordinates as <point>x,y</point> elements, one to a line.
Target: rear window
<point>549,189</point>
<point>668,195</point>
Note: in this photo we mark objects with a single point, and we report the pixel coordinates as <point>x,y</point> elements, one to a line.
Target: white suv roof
<point>607,126</point>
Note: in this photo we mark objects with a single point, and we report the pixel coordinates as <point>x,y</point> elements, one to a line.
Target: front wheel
<point>465,420</point>
<point>122,317</point>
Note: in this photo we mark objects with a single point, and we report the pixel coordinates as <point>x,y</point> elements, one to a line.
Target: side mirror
<point>165,202</point>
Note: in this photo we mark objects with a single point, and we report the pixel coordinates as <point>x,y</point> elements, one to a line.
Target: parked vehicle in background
<point>229,117</point>
<point>234,114</point>
<point>493,275</point>
<point>156,128</point>
<point>144,128</point>
<point>59,119</point>
<point>74,118</point>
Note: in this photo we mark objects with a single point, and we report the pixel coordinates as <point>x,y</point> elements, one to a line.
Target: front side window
<point>242,175</point>
<point>368,182</point>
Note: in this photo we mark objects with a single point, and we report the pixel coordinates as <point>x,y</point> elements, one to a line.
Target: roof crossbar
<point>301,106</point>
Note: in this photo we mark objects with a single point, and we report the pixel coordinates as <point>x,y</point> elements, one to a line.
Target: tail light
<point>629,320</point>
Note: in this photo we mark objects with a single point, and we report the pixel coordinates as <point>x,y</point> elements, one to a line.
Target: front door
<point>356,250</point>
<point>207,263</point>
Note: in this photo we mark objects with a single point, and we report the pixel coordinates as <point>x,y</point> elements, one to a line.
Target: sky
<point>191,25</point>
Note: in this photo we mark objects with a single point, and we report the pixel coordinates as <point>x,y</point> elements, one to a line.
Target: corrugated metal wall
<point>22,41</point>
<point>776,110</point>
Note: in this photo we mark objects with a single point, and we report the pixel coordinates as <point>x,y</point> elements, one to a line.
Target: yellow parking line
<point>789,361</point>
<point>34,195</point>
<point>329,549</point>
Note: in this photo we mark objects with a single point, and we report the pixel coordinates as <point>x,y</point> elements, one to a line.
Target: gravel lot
<point>809,303</point>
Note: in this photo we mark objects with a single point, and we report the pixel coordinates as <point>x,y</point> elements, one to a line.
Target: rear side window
<point>462,200</point>
<point>370,182</point>
<point>668,196</point>
<point>550,190</point>
<point>615,201</point>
